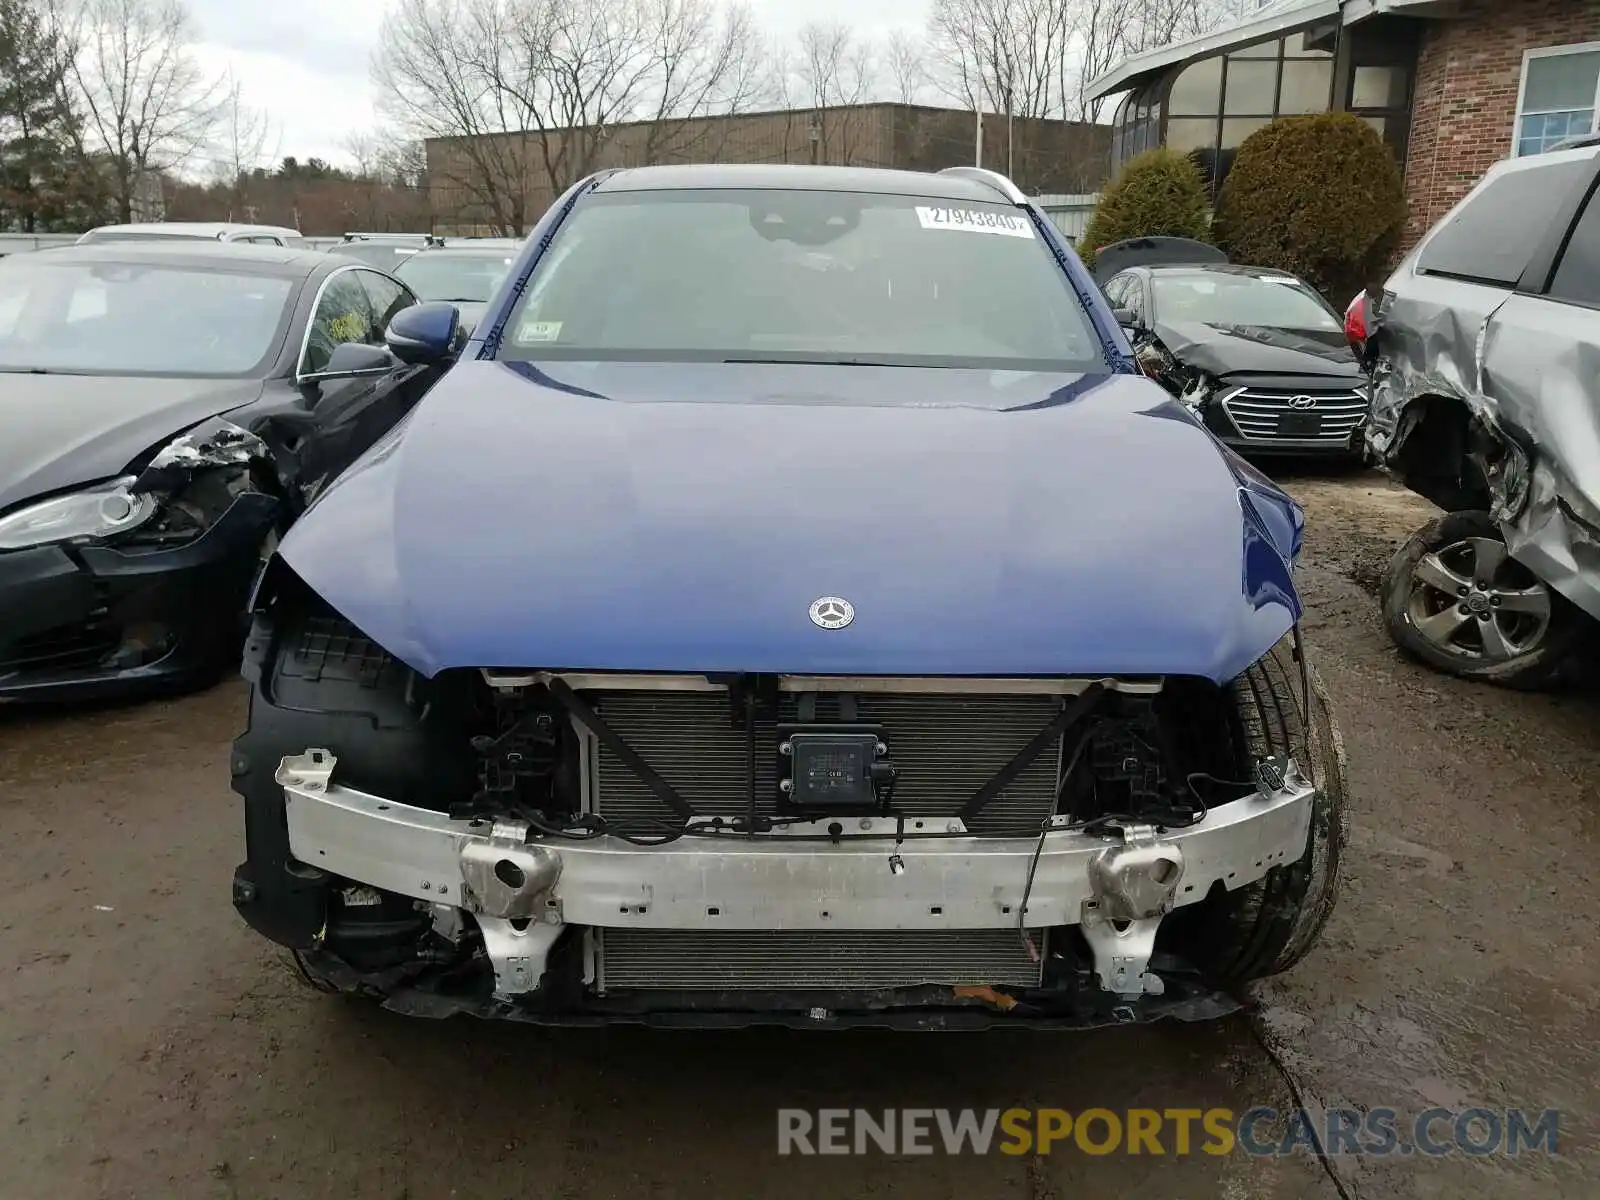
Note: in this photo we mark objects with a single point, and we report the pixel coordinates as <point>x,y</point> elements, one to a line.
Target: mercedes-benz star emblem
<point>1301,402</point>
<point>832,612</point>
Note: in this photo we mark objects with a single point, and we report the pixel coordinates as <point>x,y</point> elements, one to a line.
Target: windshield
<point>1216,298</point>
<point>802,276</point>
<point>463,278</point>
<point>386,256</point>
<point>137,319</point>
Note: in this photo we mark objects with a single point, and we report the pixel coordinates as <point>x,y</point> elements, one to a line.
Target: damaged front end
<point>139,581</point>
<point>729,850</point>
<point>1223,377</point>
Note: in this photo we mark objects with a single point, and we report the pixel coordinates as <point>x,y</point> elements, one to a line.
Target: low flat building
<point>518,174</point>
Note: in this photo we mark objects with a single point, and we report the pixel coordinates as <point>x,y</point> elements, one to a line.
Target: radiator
<point>945,747</point>
<point>846,960</point>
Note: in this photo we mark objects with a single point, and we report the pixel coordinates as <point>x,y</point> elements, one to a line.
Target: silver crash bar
<point>1117,885</point>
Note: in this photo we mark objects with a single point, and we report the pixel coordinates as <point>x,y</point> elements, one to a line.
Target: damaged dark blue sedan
<point>792,606</point>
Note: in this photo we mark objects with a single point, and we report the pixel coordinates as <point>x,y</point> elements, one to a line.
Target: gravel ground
<point>155,1048</point>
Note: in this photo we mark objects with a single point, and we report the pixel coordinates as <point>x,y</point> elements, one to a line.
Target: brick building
<point>1452,85</point>
<point>486,183</point>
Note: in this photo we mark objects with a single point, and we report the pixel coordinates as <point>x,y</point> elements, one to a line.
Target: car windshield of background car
<point>137,319</point>
<point>1269,302</point>
<point>460,278</point>
<point>802,276</point>
<point>386,256</point>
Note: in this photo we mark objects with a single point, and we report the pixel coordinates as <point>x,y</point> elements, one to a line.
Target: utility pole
<point>1011,135</point>
<point>977,147</point>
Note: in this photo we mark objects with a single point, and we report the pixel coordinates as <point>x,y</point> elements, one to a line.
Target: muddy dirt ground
<point>152,1047</point>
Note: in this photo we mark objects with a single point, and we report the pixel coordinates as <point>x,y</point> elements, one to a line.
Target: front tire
<point>1454,599</point>
<point>1267,927</point>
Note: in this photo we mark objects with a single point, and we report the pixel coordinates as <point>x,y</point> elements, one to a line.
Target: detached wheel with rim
<point>1455,599</point>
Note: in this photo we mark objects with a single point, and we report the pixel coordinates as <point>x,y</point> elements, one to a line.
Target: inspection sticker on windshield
<point>974,220</point>
<point>539,331</point>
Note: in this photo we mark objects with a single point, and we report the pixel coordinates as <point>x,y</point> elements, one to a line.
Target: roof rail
<point>385,236</point>
<point>993,178</point>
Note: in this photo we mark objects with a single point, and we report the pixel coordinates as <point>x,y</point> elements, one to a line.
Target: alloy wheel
<point>1472,599</point>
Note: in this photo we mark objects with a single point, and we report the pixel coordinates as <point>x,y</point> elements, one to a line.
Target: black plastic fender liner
<point>317,681</point>
<point>279,898</point>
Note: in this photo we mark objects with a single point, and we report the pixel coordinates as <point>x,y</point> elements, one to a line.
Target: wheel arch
<point>1454,454</point>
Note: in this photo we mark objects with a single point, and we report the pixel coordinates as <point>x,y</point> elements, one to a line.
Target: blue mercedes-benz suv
<point>792,606</point>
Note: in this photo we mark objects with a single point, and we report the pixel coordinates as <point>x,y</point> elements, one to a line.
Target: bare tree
<point>830,72</point>
<point>1004,53</point>
<point>439,68</point>
<point>245,132</point>
<point>148,105</point>
<point>365,149</point>
<point>1106,31</point>
<point>1035,58</point>
<point>906,61</point>
<point>707,63</point>
<point>530,94</point>
<point>1097,28</point>
<point>1004,56</point>
<point>404,163</point>
<point>1155,23</point>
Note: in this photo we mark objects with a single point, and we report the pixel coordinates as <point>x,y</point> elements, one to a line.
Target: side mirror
<point>424,334</point>
<point>1127,319</point>
<point>352,360</point>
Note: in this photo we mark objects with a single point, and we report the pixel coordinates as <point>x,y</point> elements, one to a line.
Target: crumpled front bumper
<point>1116,886</point>
<point>95,620</point>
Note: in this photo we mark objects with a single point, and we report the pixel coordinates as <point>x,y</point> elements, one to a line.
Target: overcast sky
<point>306,61</point>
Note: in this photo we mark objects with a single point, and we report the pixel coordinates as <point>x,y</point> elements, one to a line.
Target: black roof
<point>775,176</point>
<point>242,257</point>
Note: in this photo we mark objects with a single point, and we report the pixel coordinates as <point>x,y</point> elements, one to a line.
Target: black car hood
<point>1252,349</point>
<point>58,431</point>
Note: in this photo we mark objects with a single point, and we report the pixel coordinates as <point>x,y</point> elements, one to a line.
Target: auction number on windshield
<point>974,220</point>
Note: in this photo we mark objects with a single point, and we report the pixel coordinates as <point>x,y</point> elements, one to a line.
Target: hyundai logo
<point>832,612</point>
<point>1302,402</point>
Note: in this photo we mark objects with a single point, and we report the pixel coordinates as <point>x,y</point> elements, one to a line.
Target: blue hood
<point>682,518</point>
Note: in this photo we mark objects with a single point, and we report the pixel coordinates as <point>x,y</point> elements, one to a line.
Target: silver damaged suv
<point>1485,346</point>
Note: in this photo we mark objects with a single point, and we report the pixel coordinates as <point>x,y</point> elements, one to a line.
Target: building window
<point>1197,91</point>
<point>1136,126</point>
<point>1559,97</point>
<point>1213,104</point>
<point>1379,87</point>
